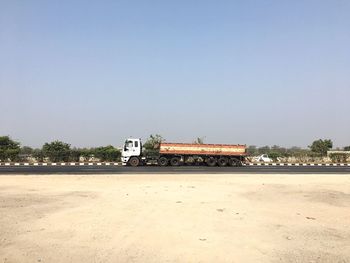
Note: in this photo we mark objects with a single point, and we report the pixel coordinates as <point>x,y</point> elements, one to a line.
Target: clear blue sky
<point>253,72</point>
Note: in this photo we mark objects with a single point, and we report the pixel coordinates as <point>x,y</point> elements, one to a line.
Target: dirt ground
<point>175,218</point>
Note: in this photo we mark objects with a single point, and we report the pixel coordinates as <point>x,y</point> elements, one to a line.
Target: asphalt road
<point>173,170</point>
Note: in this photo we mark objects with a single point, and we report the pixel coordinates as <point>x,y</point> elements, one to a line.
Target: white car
<point>264,158</point>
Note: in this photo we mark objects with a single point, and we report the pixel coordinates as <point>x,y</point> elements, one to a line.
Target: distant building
<point>330,152</point>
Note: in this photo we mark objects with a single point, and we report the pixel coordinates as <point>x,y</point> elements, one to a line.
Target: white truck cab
<point>131,152</point>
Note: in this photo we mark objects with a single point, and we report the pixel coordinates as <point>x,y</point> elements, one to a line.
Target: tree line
<point>317,149</point>
<point>56,151</point>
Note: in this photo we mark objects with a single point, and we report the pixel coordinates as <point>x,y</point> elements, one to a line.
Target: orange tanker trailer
<point>176,154</point>
<point>212,154</point>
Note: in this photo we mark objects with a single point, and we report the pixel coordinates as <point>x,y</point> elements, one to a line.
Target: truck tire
<point>175,161</point>
<point>222,161</point>
<point>134,161</point>
<point>211,161</point>
<point>163,161</point>
<point>235,162</point>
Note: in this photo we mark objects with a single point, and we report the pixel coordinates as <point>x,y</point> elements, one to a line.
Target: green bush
<point>107,153</point>
<point>57,151</point>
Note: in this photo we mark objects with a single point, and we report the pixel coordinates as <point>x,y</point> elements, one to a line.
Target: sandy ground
<point>175,218</point>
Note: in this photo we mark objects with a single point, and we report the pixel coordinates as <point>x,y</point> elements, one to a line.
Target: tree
<point>9,149</point>
<point>321,146</point>
<point>153,142</point>
<point>347,148</point>
<point>57,151</point>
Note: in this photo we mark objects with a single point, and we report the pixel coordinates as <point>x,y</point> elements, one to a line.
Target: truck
<point>176,154</point>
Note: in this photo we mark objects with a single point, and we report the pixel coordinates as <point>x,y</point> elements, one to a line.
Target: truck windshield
<point>128,144</point>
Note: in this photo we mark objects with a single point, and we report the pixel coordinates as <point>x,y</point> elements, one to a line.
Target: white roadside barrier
<point>296,164</point>
<point>120,164</point>
<point>59,164</point>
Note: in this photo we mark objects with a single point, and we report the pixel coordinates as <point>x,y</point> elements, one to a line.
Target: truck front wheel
<point>134,161</point>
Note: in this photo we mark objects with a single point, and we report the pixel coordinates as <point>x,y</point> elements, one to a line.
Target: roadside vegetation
<point>318,151</point>
<point>318,148</point>
<point>9,149</point>
<point>58,151</point>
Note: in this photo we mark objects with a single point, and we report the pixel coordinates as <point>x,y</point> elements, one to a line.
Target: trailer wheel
<point>211,161</point>
<point>163,161</point>
<point>222,161</point>
<point>175,161</point>
<point>134,161</point>
<point>235,162</point>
